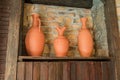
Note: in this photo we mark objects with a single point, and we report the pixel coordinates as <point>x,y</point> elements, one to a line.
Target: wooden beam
<point>39,58</point>
<point>70,3</point>
<point>13,39</point>
<point>113,34</point>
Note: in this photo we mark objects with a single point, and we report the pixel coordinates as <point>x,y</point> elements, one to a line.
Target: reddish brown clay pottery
<point>61,43</point>
<point>85,40</point>
<point>35,40</point>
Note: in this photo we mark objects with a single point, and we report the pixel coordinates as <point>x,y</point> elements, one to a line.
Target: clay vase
<point>85,40</point>
<point>35,39</point>
<point>61,43</point>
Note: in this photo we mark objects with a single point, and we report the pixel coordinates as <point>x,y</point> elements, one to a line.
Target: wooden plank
<point>6,7</point>
<point>85,73</point>
<point>112,27</point>
<point>71,3</point>
<point>2,76</point>
<point>44,70</point>
<point>2,68</point>
<point>3,35</point>
<point>52,71</point>
<point>3,42</point>
<point>28,70</point>
<point>2,52</point>
<point>59,70</point>
<point>5,11</point>
<point>105,71</point>
<point>36,71</point>
<point>4,15</point>
<point>79,71</point>
<point>39,58</point>
<point>113,33</point>
<point>2,23</point>
<point>98,71</point>
<point>111,68</point>
<point>91,71</point>
<point>3,31</point>
<point>66,70</point>
<point>3,48</point>
<point>13,39</point>
<point>73,70</point>
<point>4,3</point>
<point>4,18</point>
<point>4,28</point>
<point>2,57</point>
<point>82,71</point>
<point>20,71</point>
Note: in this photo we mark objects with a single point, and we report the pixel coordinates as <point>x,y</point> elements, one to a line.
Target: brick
<point>46,49</point>
<point>46,29</point>
<point>68,21</point>
<point>71,14</point>
<point>43,7</point>
<point>51,14</point>
<point>89,22</point>
<point>62,8</point>
<point>54,24</point>
<point>51,8</point>
<point>76,26</point>
<point>50,19</point>
<point>60,19</point>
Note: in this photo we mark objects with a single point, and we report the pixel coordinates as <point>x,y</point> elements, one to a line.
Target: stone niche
<point>51,16</point>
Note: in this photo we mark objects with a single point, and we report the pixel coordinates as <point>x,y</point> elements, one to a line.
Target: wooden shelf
<point>71,3</point>
<point>39,58</point>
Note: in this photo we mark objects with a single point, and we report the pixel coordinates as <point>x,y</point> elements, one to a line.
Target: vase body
<point>35,40</point>
<point>85,40</point>
<point>61,43</point>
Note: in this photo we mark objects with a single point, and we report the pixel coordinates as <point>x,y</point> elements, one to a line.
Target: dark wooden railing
<point>4,23</point>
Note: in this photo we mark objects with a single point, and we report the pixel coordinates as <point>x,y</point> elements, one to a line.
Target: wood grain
<point>44,70</point>
<point>71,3</point>
<point>52,71</point>
<point>36,71</point>
<point>66,71</point>
<point>73,70</point>
<point>4,23</point>
<point>105,71</point>
<point>28,70</point>
<point>113,33</point>
<point>13,39</point>
<point>98,71</point>
<point>40,58</point>
<point>21,71</point>
<point>59,70</point>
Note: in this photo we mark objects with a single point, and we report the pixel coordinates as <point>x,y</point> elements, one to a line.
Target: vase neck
<point>36,20</point>
<point>61,31</point>
<point>83,20</point>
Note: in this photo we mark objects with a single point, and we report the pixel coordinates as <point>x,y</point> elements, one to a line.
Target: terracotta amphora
<point>35,39</point>
<point>85,40</point>
<point>61,43</point>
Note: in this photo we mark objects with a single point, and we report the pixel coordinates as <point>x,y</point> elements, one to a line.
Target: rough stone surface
<point>100,33</point>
